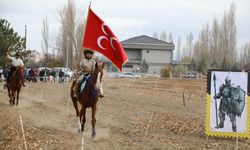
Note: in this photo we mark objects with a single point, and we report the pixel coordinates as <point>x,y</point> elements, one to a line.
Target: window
<point>128,66</point>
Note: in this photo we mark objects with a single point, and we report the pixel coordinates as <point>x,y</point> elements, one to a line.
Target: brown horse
<point>15,85</point>
<point>89,97</point>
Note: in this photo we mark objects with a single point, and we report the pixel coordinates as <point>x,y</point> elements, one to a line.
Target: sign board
<point>228,101</point>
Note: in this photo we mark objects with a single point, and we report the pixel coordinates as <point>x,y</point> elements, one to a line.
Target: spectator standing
<point>41,75</point>
<point>53,73</point>
<point>61,74</point>
<point>31,74</point>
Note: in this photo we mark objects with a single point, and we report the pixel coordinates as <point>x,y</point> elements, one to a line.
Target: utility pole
<point>67,54</point>
<point>25,38</point>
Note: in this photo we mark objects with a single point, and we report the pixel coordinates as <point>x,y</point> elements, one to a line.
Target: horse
<point>15,85</point>
<point>88,98</point>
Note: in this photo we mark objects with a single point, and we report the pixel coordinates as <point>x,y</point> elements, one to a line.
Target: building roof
<point>146,42</point>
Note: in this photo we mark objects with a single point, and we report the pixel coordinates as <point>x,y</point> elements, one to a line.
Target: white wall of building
<point>157,56</point>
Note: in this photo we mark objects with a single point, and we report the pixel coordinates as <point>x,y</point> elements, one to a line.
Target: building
<point>154,52</point>
<point>34,57</point>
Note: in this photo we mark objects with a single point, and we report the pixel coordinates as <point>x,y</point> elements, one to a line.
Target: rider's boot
<point>75,91</point>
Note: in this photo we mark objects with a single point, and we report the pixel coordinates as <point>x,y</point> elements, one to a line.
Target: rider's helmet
<point>86,51</point>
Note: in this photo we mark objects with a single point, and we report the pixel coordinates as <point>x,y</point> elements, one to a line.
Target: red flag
<point>99,37</point>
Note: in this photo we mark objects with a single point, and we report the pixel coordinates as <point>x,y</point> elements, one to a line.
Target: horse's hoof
<point>79,130</point>
<point>93,133</point>
<point>93,136</point>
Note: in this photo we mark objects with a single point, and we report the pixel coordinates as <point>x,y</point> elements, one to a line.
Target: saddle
<point>82,86</point>
<point>83,82</point>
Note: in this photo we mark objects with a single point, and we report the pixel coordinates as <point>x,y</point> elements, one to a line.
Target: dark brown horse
<point>15,85</point>
<point>89,97</point>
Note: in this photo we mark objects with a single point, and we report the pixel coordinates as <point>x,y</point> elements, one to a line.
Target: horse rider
<point>16,62</point>
<point>86,67</point>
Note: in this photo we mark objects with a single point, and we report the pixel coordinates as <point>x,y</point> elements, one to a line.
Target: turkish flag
<point>99,37</point>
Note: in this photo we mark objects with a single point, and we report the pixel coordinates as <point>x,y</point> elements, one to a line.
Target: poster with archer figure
<point>227,104</point>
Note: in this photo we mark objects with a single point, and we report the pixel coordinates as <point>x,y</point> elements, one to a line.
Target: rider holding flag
<point>86,66</point>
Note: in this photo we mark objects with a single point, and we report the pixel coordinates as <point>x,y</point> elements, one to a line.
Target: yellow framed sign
<point>227,110</point>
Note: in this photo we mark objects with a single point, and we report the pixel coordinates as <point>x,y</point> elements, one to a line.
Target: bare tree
<point>178,49</point>
<point>68,23</point>
<point>244,56</point>
<point>214,43</point>
<point>78,40</point>
<point>197,55</point>
<point>170,38</point>
<point>202,48</point>
<point>188,49</point>
<point>163,36</point>
<point>205,45</point>
<point>227,42</point>
<point>155,35</point>
<point>217,45</point>
<point>45,35</point>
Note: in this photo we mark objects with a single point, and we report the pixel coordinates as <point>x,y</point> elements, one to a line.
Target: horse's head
<point>17,72</point>
<point>98,69</point>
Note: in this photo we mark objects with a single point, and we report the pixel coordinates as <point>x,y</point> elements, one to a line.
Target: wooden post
<point>25,145</point>
<point>183,98</point>
<point>148,124</point>
<point>237,142</point>
<point>82,147</point>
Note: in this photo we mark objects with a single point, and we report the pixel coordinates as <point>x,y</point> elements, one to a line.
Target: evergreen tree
<point>144,66</point>
<point>9,39</point>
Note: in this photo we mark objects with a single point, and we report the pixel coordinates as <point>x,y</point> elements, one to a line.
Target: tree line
<point>216,46</point>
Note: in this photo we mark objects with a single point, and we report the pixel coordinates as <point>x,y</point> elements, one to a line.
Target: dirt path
<point>135,114</point>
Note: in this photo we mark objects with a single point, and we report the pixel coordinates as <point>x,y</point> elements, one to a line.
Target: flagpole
<point>84,33</point>
<point>85,29</point>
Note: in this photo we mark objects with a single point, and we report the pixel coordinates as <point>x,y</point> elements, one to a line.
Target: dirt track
<point>135,114</point>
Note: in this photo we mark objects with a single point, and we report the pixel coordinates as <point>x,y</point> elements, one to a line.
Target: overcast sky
<point>127,18</point>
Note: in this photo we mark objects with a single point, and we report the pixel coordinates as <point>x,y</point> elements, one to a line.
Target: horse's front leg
<point>93,122</point>
<point>17,96</point>
<point>12,98</point>
<point>82,117</point>
<point>74,100</point>
<point>9,93</point>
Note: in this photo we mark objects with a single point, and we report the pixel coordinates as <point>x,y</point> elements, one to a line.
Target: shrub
<point>165,71</point>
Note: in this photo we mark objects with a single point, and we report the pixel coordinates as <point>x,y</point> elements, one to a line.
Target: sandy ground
<point>134,114</point>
